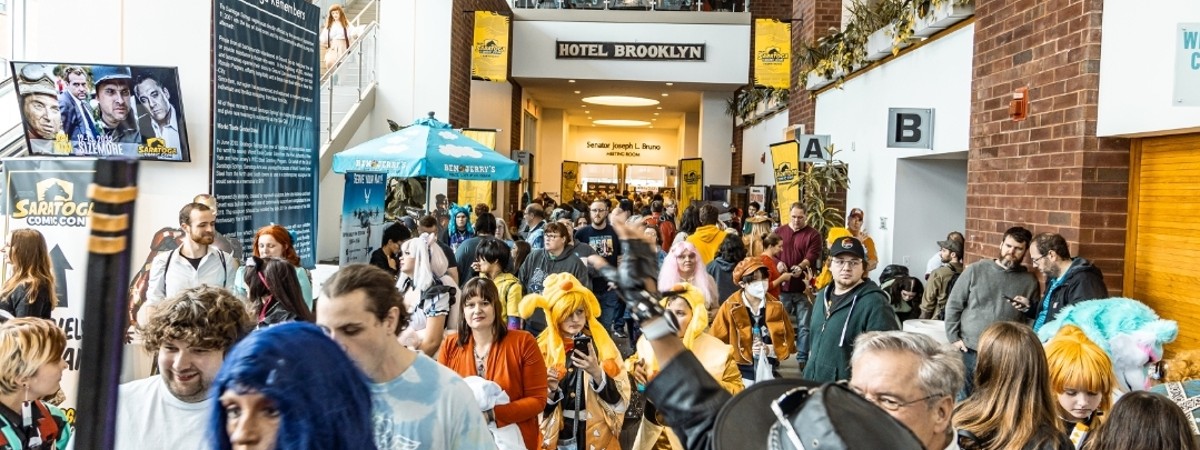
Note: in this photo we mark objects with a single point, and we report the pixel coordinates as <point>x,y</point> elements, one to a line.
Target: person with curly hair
<point>271,396</point>
<point>190,333</point>
<point>588,389</point>
<point>29,291</point>
<point>32,350</point>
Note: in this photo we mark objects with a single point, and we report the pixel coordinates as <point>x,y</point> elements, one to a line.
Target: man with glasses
<point>603,239</point>
<point>845,309</point>
<point>913,378</point>
<point>554,258</point>
<point>986,293</point>
<point>1068,280</point>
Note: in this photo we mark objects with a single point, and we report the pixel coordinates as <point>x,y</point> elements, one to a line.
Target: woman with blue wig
<point>273,395</point>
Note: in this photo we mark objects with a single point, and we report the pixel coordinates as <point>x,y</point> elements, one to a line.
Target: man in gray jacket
<point>555,258</point>
<point>986,293</point>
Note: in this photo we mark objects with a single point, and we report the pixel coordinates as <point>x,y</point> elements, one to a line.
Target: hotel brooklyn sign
<point>643,51</point>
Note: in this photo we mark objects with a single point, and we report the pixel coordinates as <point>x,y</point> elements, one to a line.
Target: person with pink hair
<point>683,264</point>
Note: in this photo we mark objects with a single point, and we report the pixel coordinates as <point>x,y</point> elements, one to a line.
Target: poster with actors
<point>101,110</point>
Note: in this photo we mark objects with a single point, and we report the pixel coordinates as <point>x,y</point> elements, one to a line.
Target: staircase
<point>348,87</point>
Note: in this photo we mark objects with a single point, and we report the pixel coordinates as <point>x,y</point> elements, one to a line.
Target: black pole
<point>106,303</point>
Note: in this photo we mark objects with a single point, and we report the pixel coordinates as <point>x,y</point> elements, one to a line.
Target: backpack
<point>953,279</point>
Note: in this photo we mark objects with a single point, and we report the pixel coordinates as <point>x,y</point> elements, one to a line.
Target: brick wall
<point>462,33</point>
<point>1049,172</point>
<point>814,19</point>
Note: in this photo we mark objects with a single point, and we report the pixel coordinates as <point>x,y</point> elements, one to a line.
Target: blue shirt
<point>427,407</point>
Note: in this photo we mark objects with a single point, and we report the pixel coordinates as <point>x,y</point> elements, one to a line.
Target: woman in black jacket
<point>273,292</point>
<point>29,292</point>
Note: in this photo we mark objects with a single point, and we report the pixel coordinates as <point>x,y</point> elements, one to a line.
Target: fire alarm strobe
<point>1018,108</point>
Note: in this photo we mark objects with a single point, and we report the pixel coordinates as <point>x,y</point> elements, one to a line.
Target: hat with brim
<point>849,245</point>
<point>952,245</point>
<point>35,79</point>
<point>829,417</point>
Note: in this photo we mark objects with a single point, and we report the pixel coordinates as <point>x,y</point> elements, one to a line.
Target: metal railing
<point>372,7</point>
<point>343,85</point>
<point>638,5</point>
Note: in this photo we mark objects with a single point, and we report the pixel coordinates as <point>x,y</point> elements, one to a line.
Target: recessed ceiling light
<point>570,81</point>
<point>658,107</point>
<point>620,122</point>
<point>665,94</point>
<point>620,100</point>
<point>576,92</point>
<point>670,84</point>
<point>652,120</point>
<point>589,117</point>
<point>656,114</point>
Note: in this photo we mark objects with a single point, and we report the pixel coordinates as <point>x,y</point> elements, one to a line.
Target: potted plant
<point>932,16</point>
<point>817,183</point>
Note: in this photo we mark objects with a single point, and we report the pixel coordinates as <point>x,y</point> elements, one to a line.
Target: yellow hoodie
<point>706,239</point>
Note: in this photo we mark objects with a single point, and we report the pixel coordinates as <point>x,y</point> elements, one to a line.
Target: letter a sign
<point>814,147</point>
<point>910,128</point>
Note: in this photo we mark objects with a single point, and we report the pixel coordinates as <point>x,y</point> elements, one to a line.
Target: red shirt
<point>799,245</point>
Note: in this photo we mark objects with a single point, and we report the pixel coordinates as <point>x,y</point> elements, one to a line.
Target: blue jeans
<point>798,309</point>
<point>612,309</point>
<point>969,357</point>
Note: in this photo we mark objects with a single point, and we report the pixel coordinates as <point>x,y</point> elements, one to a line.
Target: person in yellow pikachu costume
<point>589,389</point>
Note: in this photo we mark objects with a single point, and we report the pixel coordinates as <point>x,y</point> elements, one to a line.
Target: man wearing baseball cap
<point>933,304</point>
<point>846,308</point>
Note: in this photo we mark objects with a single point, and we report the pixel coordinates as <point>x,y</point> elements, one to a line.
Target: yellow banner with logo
<point>691,181</point>
<point>570,180</point>
<point>473,192</point>
<point>489,52</point>
<point>772,53</point>
<point>785,165</point>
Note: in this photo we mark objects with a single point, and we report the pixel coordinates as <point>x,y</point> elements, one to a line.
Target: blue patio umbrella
<point>427,148</point>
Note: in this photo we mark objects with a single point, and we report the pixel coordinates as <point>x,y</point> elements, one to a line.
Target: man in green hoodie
<point>846,308</point>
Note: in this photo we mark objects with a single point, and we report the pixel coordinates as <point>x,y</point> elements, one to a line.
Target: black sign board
<point>640,51</point>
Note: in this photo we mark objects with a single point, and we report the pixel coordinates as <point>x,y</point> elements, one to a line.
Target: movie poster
<point>50,195</point>
<point>101,110</point>
<point>362,216</point>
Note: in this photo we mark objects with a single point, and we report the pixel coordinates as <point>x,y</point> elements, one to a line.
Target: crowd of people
<point>595,316</point>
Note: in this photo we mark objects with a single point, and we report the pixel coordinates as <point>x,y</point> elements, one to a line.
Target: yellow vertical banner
<point>489,51</point>
<point>691,181</point>
<point>785,165</point>
<point>472,192</point>
<point>570,180</point>
<point>772,53</point>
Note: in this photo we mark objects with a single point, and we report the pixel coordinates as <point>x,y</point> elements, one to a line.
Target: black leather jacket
<point>689,399</point>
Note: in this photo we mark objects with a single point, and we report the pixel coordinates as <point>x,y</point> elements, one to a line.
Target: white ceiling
<point>560,94</point>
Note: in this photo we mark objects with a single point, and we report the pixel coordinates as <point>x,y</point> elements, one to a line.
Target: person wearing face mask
<point>849,306</point>
<point>752,321</point>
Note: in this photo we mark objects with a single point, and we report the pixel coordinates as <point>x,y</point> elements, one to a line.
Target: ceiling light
<point>665,94</point>
<point>576,92</point>
<point>620,100</point>
<point>652,120</point>
<point>656,114</point>
<point>570,81</point>
<point>670,84</point>
<point>620,123</point>
<point>658,107</point>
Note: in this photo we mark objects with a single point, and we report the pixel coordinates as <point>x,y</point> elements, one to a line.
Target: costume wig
<point>669,276</point>
<point>562,295</point>
<point>1075,362</point>
<point>695,300</point>
<point>428,262</point>
<point>455,210</point>
<point>323,399</point>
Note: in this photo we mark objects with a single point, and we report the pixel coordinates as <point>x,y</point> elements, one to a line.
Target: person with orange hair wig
<point>591,413</point>
<point>1082,380</point>
<point>687,303</point>
<point>274,241</point>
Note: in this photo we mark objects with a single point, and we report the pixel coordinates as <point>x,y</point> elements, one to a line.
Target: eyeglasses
<point>889,403</point>
<point>846,262</point>
<point>551,236</point>
<point>598,210</point>
<point>1035,260</point>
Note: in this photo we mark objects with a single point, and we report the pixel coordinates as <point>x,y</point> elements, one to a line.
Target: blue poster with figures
<point>265,119</point>
<point>362,216</point>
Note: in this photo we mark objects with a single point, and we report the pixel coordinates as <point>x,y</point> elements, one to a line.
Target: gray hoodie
<point>977,299</point>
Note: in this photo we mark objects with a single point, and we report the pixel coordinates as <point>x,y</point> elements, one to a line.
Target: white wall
<point>727,51</point>
<point>931,198</point>
<point>552,144</point>
<point>164,187</point>
<point>716,135</point>
<point>1137,68</point>
<point>756,142</point>
<point>938,76</point>
<point>666,155</point>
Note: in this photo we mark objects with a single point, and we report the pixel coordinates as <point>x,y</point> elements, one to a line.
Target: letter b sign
<point>910,128</point>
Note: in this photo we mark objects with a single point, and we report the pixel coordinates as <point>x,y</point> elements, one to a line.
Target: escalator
<point>12,134</point>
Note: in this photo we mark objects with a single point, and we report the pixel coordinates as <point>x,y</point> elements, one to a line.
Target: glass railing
<point>637,5</point>
<point>343,85</point>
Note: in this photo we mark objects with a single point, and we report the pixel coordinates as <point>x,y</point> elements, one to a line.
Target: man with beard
<point>985,293</point>
<point>113,91</point>
<point>161,118</point>
<point>1068,280</point>
<point>196,262</point>
<point>39,104</point>
<point>603,239</point>
<point>190,334</point>
<point>941,280</point>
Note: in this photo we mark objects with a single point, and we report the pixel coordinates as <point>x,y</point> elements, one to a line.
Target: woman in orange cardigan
<point>486,348</point>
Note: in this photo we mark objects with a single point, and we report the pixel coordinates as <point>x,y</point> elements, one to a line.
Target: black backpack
<point>953,279</point>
